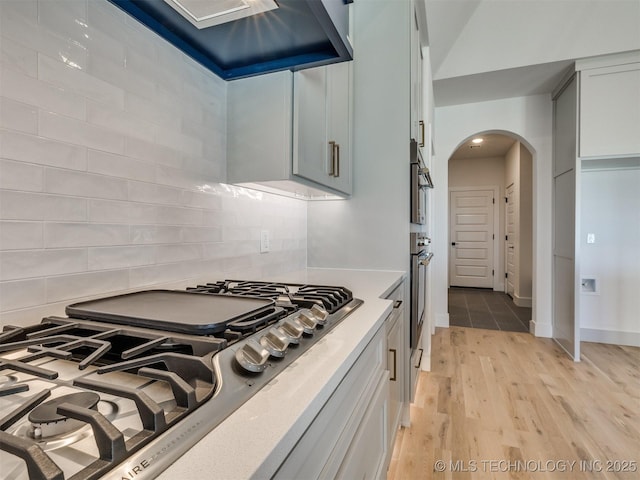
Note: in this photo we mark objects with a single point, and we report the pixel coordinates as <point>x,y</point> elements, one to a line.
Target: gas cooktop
<point>125,384</point>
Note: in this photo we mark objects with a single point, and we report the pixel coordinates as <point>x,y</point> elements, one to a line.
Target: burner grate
<point>298,295</point>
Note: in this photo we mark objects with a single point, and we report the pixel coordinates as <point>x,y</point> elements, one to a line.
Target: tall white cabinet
<point>596,129</point>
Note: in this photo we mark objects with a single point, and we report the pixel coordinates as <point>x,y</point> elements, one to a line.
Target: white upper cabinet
<point>417,114</point>
<point>290,133</point>
<point>610,108</point>
<point>322,126</point>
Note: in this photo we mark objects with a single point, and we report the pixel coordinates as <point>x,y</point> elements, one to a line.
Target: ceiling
<point>484,50</point>
<point>512,82</point>
<point>493,145</point>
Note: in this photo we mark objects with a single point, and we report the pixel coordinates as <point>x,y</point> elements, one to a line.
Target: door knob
<point>453,244</point>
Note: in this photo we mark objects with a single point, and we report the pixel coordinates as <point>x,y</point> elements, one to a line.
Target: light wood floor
<point>519,408</point>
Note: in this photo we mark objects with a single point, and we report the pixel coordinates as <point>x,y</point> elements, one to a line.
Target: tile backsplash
<point>112,163</point>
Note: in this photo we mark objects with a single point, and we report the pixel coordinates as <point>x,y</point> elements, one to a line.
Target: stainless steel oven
<point>420,259</point>
<point>420,180</point>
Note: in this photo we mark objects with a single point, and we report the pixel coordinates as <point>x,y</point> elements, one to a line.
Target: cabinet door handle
<point>421,123</point>
<point>395,364</point>
<point>332,162</point>
<point>397,304</point>
<point>337,169</point>
<point>419,359</point>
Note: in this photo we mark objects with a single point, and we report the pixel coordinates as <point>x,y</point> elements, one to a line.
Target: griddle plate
<point>170,310</point>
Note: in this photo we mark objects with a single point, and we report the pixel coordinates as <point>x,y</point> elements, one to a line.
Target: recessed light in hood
<point>207,13</point>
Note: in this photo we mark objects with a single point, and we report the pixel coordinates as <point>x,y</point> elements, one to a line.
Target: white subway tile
<point>115,73</point>
<point>170,215</point>
<point>67,18</point>
<point>83,184</point>
<point>21,294</point>
<point>158,154</point>
<point>105,258</point>
<point>57,235</point>
<point>105,47</point>
<point>18,116</point>
<point>218,250</point>
<point>67,287</point>
<point>13,9</point>
<point>107,18</point>
<point>176,177</point>
<point>117,120</point>
<point>17,57</point>
<point>110,211</point>
<point>38,206</point>
<point>60,74</point>
<point>201,199</point>
<point>178,141</point>
<point>120,166</point>
<point>27,32</point>
<point>150,193</point>
<point>43,95</point>
<point>153,234</point>
<point>177,253</point>
<point>201,234</point>
<point>17,264</point>
<point>20,235</point>
<point>142,41</point>
<point>42,151</point>
<point>151,111</point>
<point>21,176</point>
<point>157,274</point>
<point>165,75</point>
<point>75,131</point>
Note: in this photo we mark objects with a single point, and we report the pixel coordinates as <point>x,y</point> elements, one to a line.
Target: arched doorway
<point>490,248</point>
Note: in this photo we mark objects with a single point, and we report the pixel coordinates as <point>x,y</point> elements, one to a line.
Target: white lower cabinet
<point>349,436</point>
<point>397,363</point>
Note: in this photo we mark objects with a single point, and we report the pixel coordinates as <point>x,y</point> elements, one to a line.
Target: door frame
<point>506,243</point>
<point>497,285</point>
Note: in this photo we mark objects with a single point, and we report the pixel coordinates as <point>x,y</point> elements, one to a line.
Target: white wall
<point>530,119</point>
<point>610,200</point>
<point>113,144</point>
<point>371,230</point>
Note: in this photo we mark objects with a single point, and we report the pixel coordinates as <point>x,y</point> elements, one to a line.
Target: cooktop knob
<point>320,313</point>
<point>308,321</point>
<point>252,356</point>
<point>276,342</point>
<point>292,329</point>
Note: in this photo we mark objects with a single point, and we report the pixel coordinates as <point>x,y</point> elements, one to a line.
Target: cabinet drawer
<point>322,448</point>
<point>366,457</point>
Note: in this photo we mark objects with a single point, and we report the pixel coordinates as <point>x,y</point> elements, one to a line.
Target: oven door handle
<point>426,259</point>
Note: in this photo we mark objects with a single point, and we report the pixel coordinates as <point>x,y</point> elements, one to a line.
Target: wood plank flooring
<point>507,405</point>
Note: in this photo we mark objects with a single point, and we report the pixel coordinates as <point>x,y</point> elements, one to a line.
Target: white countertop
<point>256,438</point>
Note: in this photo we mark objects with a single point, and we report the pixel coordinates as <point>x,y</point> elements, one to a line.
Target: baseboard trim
<point>522,301</point>
<point>615,337</point>
<point>544,330</point>
<point>442,320</point>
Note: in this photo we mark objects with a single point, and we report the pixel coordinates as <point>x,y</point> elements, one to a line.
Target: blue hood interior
<point>299,34</point>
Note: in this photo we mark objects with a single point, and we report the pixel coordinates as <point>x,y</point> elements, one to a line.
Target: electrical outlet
<point>591,238</point>
<point>265,244</point>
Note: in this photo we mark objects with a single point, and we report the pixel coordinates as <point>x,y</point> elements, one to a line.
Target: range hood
<point>289,35</point>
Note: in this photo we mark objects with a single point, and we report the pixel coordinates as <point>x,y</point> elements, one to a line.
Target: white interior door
<point>510,242</point>
<point>471,236</point>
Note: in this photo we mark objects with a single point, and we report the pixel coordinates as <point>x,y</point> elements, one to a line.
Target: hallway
<point>484,308</point>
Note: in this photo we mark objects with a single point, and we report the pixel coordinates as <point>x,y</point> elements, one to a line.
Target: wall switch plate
<point>265,244</point>
<point>591,238</point>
